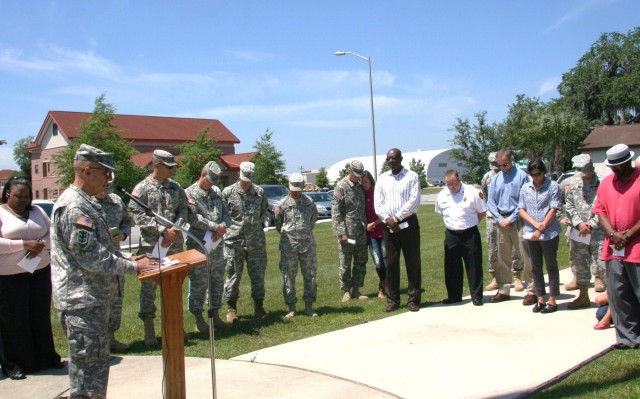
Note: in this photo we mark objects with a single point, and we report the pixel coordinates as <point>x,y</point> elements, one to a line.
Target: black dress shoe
<point>13,371</point>
<point>58,365</point>
<point>549,308</point>
<point>413,307</point>
<point>476,301</point>
<point>620,346</point>
<point>537,308</point>
<point>392,307</point>
<point>448,301</point>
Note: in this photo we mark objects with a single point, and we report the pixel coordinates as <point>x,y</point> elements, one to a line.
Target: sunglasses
<point>107,172</point>
<point>535,174</point>
<point>504,165</point>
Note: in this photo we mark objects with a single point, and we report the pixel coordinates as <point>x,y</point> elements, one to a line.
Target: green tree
<point>385,167</point>
<point>194,155</point>
<point>269,163</point>
<point>22,156</point>
<point>472,144</point>
<point>343,172</point>
<point>99,131</point>
<point>418,167</point>
<point>605,83</point>
<point>322,181</point>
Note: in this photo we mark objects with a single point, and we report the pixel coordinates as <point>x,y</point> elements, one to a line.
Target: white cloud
<point>549,86</point>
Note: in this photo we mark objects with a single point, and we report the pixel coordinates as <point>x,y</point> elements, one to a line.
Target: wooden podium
<point>170,280</point>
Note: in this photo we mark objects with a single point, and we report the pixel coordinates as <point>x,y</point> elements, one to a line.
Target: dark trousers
<point>623,285</point>
<point>462,246</point>
<point>547,250</point>
<point>25,320</point>
<point>407,241</point>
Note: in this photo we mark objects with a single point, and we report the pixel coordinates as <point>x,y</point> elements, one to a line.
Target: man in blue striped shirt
<point>397,198</point>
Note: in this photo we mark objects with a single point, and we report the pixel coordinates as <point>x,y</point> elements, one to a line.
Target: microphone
<point>134,199</point>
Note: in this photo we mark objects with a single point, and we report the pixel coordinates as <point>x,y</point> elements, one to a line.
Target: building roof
<point>5,174</point>
<point>141,128</point>
<point>233,161</point>
<point>604,137</point>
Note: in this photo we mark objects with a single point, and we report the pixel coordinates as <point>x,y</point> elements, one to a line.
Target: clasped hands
<point>392,224</point>
<point>620,239</point>
<point>33,247</point>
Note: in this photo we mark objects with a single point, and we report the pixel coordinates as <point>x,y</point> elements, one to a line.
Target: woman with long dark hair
<point>375,237</point>
<point>26,339</point>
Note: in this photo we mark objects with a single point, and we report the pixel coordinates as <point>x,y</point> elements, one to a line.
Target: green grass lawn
<point>613,375</point>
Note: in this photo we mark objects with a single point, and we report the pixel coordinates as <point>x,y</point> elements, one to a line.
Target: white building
<point>436,162</point>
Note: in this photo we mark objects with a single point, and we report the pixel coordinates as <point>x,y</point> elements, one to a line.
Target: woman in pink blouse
<point>26,339</point>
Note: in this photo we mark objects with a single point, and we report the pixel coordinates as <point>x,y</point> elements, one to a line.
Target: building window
<point>54,193</point>
<point>44,194</point>
<point>55,129</point>
<point>35,169</point>
<point>45,169</point>
<point>37,194</point>
<point>442,164</point>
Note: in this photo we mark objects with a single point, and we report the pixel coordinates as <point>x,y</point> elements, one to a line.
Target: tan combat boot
<point>232,312</point>
<point>117,346</point>
<point>202,325</point>
<point>493,285</point>
<point>355,293</point>
<point>381,289</point>
<point>308,310</point>
<point>582,301</point>
<point>258,309</point>
<point>218,324</point>
<point>346,297</point>
<point>292,312</point>
<point>149,333</point>
<point>599,284</point>
<point>517,282</point>
<point>573,285</point>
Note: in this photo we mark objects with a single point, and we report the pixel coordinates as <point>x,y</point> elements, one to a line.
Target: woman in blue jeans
<point>374,232</point>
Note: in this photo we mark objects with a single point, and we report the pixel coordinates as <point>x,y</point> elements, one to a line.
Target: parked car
<point>45,205</point>
<point>274,193</point>
<point>565,176</point>
<point>323,202</point>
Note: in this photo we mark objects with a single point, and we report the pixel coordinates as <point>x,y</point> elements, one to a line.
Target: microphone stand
<point>212,348</point>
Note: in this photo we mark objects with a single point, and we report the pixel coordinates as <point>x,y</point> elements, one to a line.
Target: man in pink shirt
<point>618,210</point>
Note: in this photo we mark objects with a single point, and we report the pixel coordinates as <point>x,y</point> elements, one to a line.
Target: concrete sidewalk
<point>456,351</point>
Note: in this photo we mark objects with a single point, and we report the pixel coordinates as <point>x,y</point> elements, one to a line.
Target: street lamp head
<point>340,53</point>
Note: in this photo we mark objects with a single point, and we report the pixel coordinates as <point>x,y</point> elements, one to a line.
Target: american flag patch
<point>191,201</point>
<point>84,222</point>
<point>135,192</point>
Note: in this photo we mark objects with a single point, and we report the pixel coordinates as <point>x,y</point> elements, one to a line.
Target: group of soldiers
<point>578,196</point>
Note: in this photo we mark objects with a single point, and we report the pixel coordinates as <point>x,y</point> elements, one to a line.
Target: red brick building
<point>146,134</point>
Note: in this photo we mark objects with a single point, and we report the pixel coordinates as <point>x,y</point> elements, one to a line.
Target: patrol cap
<point>92,154</point>
<point>618,154</point>
<point>213,171</point>
<point>296,182</point>
<point>492,160</point>
<point>247,171</point>
<point>165,158</point>
<point>582,164</point>
<point>357,167</point>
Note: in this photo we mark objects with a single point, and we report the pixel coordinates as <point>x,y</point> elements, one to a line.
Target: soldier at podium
<point>84,264</point>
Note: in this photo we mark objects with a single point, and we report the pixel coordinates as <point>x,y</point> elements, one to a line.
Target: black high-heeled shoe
<point>13,371</point>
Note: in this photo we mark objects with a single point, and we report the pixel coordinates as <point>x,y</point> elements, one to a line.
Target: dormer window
<point>54,129</point>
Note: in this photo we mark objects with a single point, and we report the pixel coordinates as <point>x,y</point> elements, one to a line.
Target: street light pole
<point>373,124</point>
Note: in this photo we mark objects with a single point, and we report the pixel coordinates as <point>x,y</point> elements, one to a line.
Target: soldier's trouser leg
<point>309,268</point>
<point>256,267</point>
<point>88,338</point>
<point>217,265</point>
<point>492,244</point>
<point>147,300</point>
<point>115,315</point>
<point>582,260</point>
<point>572,260</point>
<point>345,254</point>
<point>200,280</point>
<point>597,265</point>
<point>360,257</point>
<point>289,267</point>
<point>197,287</point>
<point>234,257</point>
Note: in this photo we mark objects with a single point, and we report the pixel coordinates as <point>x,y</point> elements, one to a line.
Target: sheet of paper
<point>209,244</point>
<point>29,264</point>
<point>527,236</point>
<point>158,251</point>
<point>575,236</point>
<point>617,252</point>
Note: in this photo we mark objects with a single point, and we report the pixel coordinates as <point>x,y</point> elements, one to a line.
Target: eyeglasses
<point>107,172</point>
<point>504,165</point>
<point>536,174</point>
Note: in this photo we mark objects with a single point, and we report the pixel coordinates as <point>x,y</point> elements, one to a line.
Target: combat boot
<point>493,285</point>
<point>232,312</point>
<point>218,324</point>
<point>517,282</point>
<point>346,297</point>
<point>202,325</point>
<point>573,285</point>
<point>582,301</point>
<point>355,293</point>
<point>381,289</point>
<point>258,309</point>
<point>149,333</point>
<point>599,284</point>
<point>292,312</point>
<point>117,346</point>
<point>308,310</point>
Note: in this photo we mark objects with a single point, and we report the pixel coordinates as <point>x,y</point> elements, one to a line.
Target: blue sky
<point>258,65</point>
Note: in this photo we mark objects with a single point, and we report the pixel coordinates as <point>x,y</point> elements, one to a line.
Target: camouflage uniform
<point>348,216</point>
<point>565,187</point>
<point>579,201</point>
<point>245,241</point>
<point>115,212</point>
<point>492,232</point>
<point>295,221</point>
<point>206,213</point>
<point>83,267</point>
<point>167,199</point>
